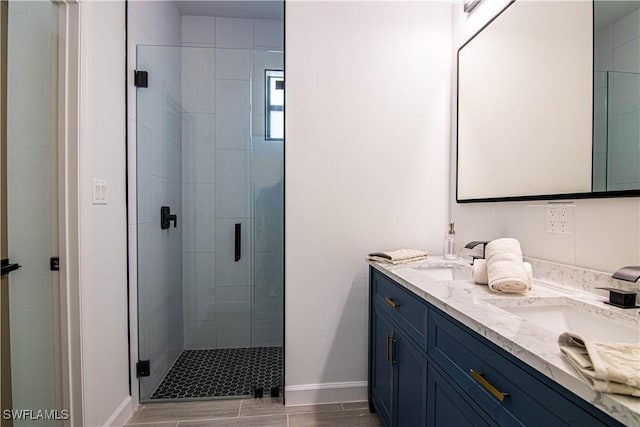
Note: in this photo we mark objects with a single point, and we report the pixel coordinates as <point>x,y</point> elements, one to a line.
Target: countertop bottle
<point>449,252</point>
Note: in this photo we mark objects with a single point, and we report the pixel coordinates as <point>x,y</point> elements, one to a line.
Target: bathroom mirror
<point>535,121</point>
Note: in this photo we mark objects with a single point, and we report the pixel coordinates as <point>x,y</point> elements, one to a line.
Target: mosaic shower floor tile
<point>222,372</point>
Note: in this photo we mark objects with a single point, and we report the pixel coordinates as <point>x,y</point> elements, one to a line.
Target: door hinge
<point>143,368</point>
<point>54,263</point>
<point>141,79</point>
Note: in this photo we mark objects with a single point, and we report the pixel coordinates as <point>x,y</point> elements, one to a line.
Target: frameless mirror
<point>537,117</point>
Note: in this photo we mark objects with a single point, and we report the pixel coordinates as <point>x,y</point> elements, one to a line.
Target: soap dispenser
<point>449,252</point>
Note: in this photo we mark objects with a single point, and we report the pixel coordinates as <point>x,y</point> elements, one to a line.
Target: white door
<point>31,366</point>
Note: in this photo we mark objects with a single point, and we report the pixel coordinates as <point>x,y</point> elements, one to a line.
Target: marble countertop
<point>476,307</point>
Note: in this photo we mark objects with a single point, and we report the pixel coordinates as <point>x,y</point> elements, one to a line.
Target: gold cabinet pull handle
<point>393,360</point>
<point>487,385</point>
<point>389,348</point>
<point>391,303</point>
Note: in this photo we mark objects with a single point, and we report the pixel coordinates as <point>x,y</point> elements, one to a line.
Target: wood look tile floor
<point>265,412</point>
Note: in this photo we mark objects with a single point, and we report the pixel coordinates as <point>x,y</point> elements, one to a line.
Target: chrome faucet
<point>628,273</point>
<point>475,243</point>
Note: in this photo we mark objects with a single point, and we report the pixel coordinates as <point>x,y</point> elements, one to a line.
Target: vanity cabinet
<point>428,369</point>
<point>400,372</point>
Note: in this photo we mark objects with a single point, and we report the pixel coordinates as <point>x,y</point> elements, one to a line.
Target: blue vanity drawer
<point>403,307</point>
<point>530,401</point>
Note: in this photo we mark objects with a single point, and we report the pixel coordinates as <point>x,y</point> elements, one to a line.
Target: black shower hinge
<point>141,78</point>
<point>54,263</point>
<point>258,392</point>
<point>143,368</point>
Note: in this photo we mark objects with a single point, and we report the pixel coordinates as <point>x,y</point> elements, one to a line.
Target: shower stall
<point>616,131</point>
<point>210,211</point>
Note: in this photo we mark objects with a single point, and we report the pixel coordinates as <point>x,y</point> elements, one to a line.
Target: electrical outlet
<point>565,219</point>
<point>552,219</point>
<point>560,219</point>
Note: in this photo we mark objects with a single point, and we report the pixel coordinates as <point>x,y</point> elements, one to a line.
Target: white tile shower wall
<point>155,122</point>
<point>606,231</point>
<point>234,33</point>
<point>198,30</point>
<point>618,50</point>
<point>217,181</point>
<point>603,61</point>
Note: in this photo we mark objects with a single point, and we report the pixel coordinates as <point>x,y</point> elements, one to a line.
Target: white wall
<point>606,231</point>
<point>103,245</point>
<point>155,272</point>
<point>367,149</point>
<point>221,152</point>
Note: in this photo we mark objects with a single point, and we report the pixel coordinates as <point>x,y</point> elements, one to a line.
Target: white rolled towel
<point>481,275</point>
<point>505,269</point>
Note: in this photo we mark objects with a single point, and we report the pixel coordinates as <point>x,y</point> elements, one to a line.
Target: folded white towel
<point>399,256</point>
<point>505,269</point>
<point>481,275</point>
<point>606,367</point>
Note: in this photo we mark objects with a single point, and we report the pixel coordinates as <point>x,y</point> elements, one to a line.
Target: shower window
<point>274,103</point>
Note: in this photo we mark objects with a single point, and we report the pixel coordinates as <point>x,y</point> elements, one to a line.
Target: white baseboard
<point>311,394</point>
<point>121,415</point>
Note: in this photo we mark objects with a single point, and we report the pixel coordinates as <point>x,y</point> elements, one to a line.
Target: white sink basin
<point>444,271</point>
<point>559,315</point>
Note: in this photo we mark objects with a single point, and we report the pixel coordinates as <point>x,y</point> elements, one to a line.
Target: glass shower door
<point>210,287</point>
<point>159,196</point>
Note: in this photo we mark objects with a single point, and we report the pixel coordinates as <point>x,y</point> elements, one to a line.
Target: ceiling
<point>248,9</point>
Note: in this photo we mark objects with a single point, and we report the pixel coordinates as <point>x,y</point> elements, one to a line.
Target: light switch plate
<point>99,191</point>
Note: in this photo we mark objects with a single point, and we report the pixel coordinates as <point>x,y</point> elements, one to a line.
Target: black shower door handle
<point>238,244</point>
<point>166,217</point>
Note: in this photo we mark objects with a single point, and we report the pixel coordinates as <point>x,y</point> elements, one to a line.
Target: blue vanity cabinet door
<point>448,407</point>
<point>398,387</point>
<point>380,366</point>
<point>410,377</point>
